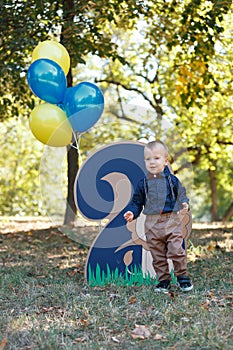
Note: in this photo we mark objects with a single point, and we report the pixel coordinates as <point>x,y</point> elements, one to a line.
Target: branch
<point>126,118</point>
<point>228,213</point>
<point>150,81</point>
<point>187,164</point>
<point>126,88</point>
<point>183,150</point>
<point>224,142</point>
<point>120,101</point>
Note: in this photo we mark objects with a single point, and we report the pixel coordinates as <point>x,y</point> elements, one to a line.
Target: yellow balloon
<point>54,51</point>
<point>50,125</point>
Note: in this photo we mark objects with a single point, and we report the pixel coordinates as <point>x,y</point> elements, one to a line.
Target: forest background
<point>165,68</point>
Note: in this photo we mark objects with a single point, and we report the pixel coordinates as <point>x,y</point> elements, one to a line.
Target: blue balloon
<point>84,104</point>
<point>47,80</point>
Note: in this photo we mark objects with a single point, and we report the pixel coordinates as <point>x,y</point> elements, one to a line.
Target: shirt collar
<point>152,176</point>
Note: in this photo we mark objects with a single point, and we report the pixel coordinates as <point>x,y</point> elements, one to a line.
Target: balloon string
<point>77,141</point>
<point>71,145</point>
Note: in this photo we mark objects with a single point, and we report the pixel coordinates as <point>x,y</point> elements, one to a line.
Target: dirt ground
<point>84,232</point>
<point>44,294</point>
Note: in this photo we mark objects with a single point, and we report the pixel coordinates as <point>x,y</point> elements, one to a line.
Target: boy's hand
<point>185,208</point>
<point>129,216</point>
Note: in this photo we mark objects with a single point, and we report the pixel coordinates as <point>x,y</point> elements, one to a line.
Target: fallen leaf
<point>54,309</point>
<point>140,332</point>
<point>205,305</point>
<point>113,296</point>
<point>211,246</point>
<point>229,296</point>
<point>158,336</point>
<point>211,295</point>
<point>172,295</point>
<point>79,340</point>
<point>46,309</point>
<point>99,288</point>
<point>83,322</point>
<point>72,273</point>
<point>3,343</point>
<point>221,303</point>
<point>132,299</point>
<point>115,340</point>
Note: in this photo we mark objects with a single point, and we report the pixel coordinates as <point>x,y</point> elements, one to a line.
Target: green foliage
<point>185,81</point>
<point>19,169</point>
<point>201,27</point>
<point>174,56</point>
<point>23,25</point>
<point>82,26</point>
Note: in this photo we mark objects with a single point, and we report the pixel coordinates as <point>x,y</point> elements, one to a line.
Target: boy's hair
<point>153,144</point>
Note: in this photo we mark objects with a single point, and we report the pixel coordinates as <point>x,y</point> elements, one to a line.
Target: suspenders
<point>170,184</point>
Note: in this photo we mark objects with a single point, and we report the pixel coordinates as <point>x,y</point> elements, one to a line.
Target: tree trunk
<point>72,170</point>
<point>72,154</point>
<point>213,188</point>
<point>72,164</point>
<point>228,213</point>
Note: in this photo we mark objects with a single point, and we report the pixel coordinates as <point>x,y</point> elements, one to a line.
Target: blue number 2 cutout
<point>103,188</point>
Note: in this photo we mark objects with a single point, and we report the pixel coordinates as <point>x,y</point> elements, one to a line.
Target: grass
<point>45,302</point>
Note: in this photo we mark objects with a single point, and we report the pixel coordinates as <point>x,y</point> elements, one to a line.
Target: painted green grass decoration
<point>135,277</point>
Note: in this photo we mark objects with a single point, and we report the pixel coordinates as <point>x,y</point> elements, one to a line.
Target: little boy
<point>161,196</point>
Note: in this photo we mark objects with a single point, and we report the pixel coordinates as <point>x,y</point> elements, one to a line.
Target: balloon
<point>47,80</point>
<point>53,51</point>
<point>49,124</point>
<point>84,104</point>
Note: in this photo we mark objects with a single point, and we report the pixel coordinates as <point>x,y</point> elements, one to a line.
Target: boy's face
<point>155,159</point>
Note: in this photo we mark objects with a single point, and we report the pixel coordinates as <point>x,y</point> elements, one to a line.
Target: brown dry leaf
<point>3,343</point>
<point>140,332</point>
<point>79,340</point>
<point>222,303</point>
<point>72,273</point>
<point>211,295</point>
<point>45,309</point>
<point>83,322</point>
<point>172,295</point>
<point>158,336</point>
<point>132,299</point>
<point>211,246</point>
<point>229,297</point>
<point>99,288</point>
<point>205,305</point>
<point>115,340</point>
<point>55,309</point>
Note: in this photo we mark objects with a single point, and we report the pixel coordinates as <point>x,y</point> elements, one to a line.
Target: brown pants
<point>164,239</point>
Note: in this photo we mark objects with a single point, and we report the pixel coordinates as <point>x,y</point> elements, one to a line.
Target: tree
<point>168,64</point>
<point>82,26</point>
<point>19,166</point>
<point>175,68</point>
